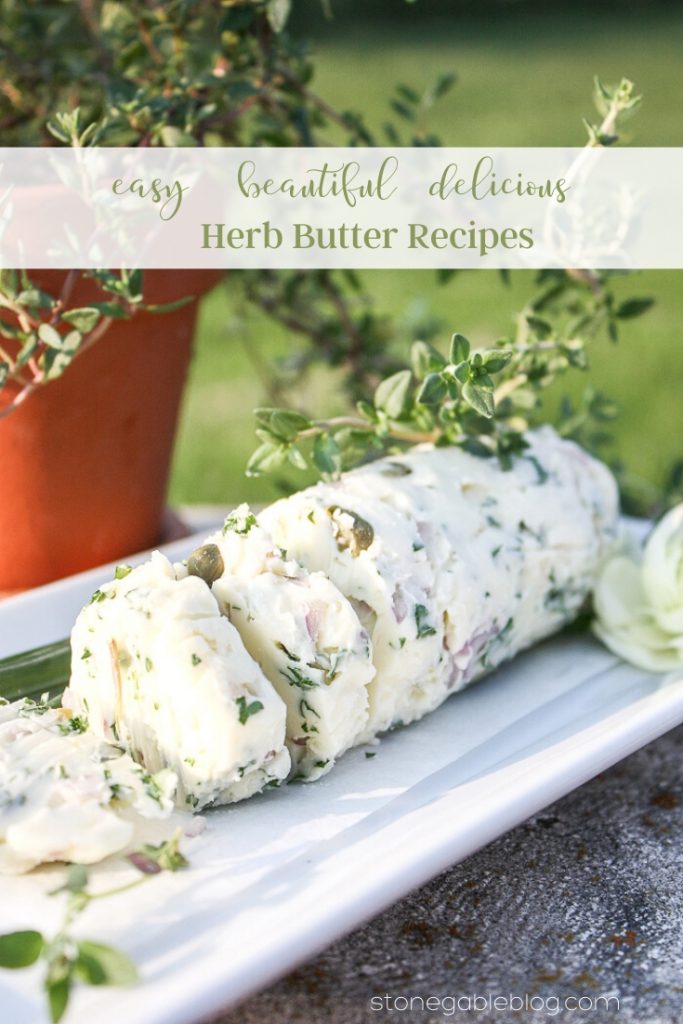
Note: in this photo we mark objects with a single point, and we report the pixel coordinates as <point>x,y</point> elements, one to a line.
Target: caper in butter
<point>356,537</point>
<point>207,563</point>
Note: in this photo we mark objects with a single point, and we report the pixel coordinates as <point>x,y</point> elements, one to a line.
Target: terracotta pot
<point>84,461</point>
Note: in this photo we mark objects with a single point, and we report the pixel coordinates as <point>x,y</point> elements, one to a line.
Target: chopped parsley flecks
<point>196,660</point>
<point>152,787</point>
<point>296,677</point>
<point>561,600</point>
<point>76,723</point>
<point>536,534</point>
<point>246,710</point>
<point>424,628</point>
<point>281,647</point>
<point>505,631</point>
<point>496,641</point>
<point>305,707</point>
<point>122,571</point>
<point>543,474</point>
<point>8,800</point>
<point>240,521</point>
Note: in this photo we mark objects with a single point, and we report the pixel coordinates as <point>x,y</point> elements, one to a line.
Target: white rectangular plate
<point>275,879</point>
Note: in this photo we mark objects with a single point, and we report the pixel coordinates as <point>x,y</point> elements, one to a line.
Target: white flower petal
<point>632,645</point>
<point>619,596</point>
<point>670,620</point>
<point>663,563</point>
<point>639,603</point>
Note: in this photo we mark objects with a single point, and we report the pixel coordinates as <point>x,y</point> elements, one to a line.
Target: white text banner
<point>353,208</point>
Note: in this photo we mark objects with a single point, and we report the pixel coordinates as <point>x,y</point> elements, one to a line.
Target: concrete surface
<point>583,901</point>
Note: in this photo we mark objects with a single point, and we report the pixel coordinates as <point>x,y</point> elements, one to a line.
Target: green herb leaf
<point>444,84</point>
<point>283,424</point>
<point>392,396</point>
<point>20,949</point>
<point>103,965</point>
<point>425,359</point>
<point>496,360</point>
<point>479,398</point>
<point>247,709</point>
<point>50,336</point>
<point>266,458</point>
<point>58,992</point>
<point>541,327</point>
<point>459,350</point>
<point>327,455</point>
<point>76,881</point>
<point>84,318</point>
<point>632,308</point>
<point>433,390</point>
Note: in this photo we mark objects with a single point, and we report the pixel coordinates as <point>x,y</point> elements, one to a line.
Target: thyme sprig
<point>482,399</point>
<point>68,959</point>
<point>41,334</point>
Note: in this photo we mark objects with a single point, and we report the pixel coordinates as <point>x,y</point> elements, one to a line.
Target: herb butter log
<point>156,667</point>
<point>304,634</point>
<point>453,564</point>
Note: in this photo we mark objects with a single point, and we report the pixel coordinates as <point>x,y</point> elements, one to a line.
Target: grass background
<point>524,79</point>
